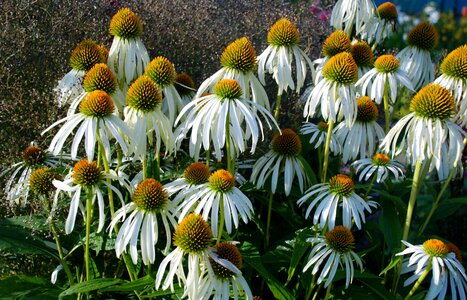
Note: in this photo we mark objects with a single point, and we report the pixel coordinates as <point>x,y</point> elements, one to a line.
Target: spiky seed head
<point>323,126</point>
<point>228,89</point>
<point>454,249</point>
<point>362,54</point>
<point>143,95</point>
<point>436,248</point>
<point>125,24</point>
<point>367,111</point>
<point>286,143</point>
<point>100,77</point>
<point>193,234</point>
<point>86,173</point>
<point>197,173</point>
<point>184,84</point>
<point>228,251</point>
<point>283,33</point>
<point>40,181</point>
<point>434,102</point>
<point>380,159</point>
<point>335,43</point>
<point>86,55</point>
<point>33,156</point>
<point>340,239</point>
<point>97,104</point>
<point>341,68</point>
<point>387,63</point>
<point>455,63</point>
<point>221,181</point>
<point>161,71</point>
<point>341,185</point>
<point>150,196</point>
<point>240,56</point>
<point>423,36</point>
<point>388,11</point>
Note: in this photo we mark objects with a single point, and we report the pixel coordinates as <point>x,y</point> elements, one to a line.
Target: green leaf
<point>91,285</point>
<point>449,207</point>
<point>21,241</point>
<point>27,287</point>
<point>390,225</point>
<point>299,246</point>
<point>136,285</point>
<point>308,170</point>
<point>394,261</point>
<point>251,258</point>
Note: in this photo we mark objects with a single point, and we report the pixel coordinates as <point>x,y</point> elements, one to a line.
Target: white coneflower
<point>362,139</point>
<point>387,72</point>
<point>192,237</point>
<point>335,92</point>
<point>277,59</point>
<point>33,158</point>
<point>162,72</point>
<point>427,127</point>
<point>99,78</point>
<point>337,42</point>
<point>144,116</point>
<point>437,257</point>
<point>86,54</point>
<point>415,59</point>
<point>238,63</point>
<point>363,56</point>
<point>282,161</point>
<point>329,196</point>
<point>85,176</point>
<point>318,136</point>
<point>381,164</point>
<point>127,56</point>
<point>218,196</point>
<point>331,251</point>
<point>454,78</point>
<point>150,202</point>
<point>382,25</point>
<point>185,87</point>
<point>193,177</point>
<point>223,273</point>
<point>96,121</point>
<point>352,15</point>
<point>224,115</point>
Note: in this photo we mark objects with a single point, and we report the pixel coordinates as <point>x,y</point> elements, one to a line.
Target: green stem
<point>107,171</point>
<point>371,185</point>
<point>408,220</point>
<point>413,197</point>
<point>328,292</point>
<point>436,203</point>
<point>424,172</point>
<point>145,168</point>
<point>310,289</point>
<point>278,107</point>
<point>157,171</point>
<point>221,220</point>
<point>53,229</point>
<point>326,150</point>
<point>268,221</point>
<point>387,117</point>
<point>208,157</point>
<point>419,281</point>
<point>88,229</point>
